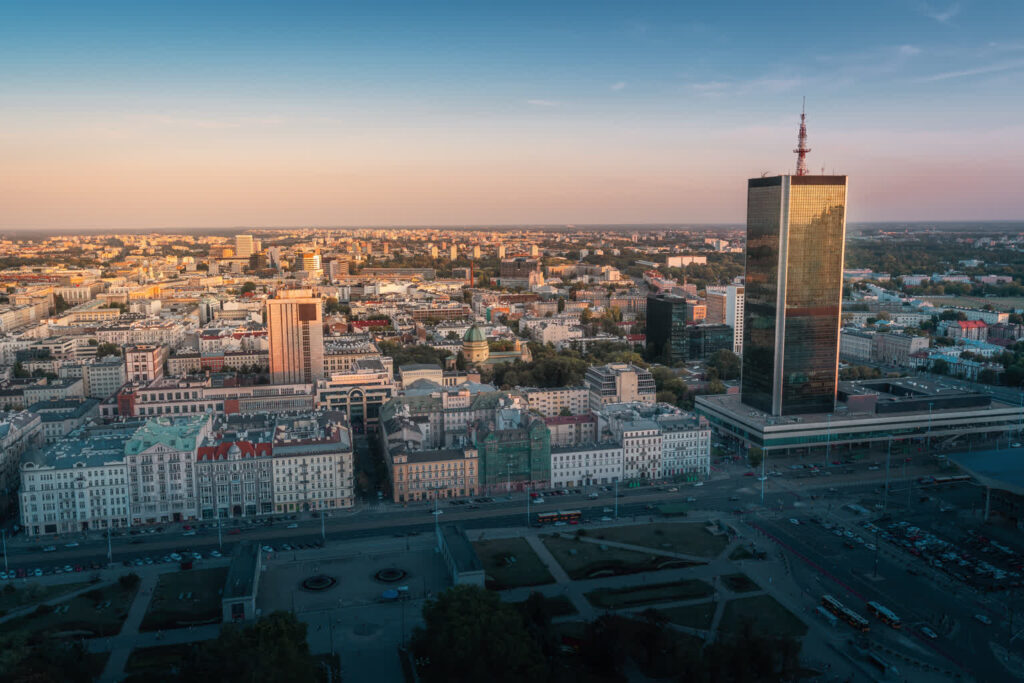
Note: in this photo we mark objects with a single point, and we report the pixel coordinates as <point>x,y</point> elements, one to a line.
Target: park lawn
<point>635,596</point>
<point>526,570</point>
<point>689,538</point>
<point>14,597</point>
<point>693,616</point>
<point>768,617</point>
<point>166,611</point>
<point>84,617</point>
<point>156,659</point>
<point>584,560</point>
<point>740,583</point>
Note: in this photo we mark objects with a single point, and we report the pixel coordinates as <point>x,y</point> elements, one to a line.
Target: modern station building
<point>869,412</point>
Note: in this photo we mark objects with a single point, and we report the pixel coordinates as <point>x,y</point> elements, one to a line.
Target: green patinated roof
<point>473,334</point>
<point>178,434</point>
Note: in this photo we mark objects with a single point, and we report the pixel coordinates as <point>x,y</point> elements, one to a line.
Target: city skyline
<point>124,117</point>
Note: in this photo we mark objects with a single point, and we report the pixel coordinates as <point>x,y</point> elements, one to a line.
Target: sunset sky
<point>145,114</point>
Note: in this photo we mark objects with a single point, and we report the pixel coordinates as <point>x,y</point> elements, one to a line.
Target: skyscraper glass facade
<point>796,228</point>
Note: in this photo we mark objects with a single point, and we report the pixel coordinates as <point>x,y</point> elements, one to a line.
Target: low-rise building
<point>313,464</point>
<point>63,416</point>
<point>552,401</point>
<point>587,464</point>
<point>75,485</point>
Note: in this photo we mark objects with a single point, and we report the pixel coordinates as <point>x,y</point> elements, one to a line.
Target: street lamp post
<point>885,491</point>
<point>110,553</point>
<point>828,440</point>
<point>3,532</point>
<point>527,506</point>
<point>616,497</point>
<point>220,538</point>
<point>930,404</point>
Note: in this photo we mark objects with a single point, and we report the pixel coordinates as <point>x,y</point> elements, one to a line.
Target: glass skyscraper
<point>796,230</point>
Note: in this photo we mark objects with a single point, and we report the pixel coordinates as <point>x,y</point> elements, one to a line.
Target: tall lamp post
<point>885,491</point>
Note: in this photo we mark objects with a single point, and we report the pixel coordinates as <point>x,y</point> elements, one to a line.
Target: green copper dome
<point>474,334</point>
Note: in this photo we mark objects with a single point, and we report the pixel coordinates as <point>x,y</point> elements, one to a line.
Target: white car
<point>794,521</point>
<point>73,544</point>
<point>537,501</point>
<point>928,632</point>
<point>699,483</point>
<point>49,549</point>
<point>293,525</point>
<point>268,548</point>
<point>606,519</point>
<point>983,619</point>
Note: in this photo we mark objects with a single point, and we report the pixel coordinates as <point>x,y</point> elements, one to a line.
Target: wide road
<point>725,495</point>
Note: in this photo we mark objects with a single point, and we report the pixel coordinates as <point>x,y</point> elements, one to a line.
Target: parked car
<point>49,549</point>
<point>983,618</point>
<point>929,633</point>
<point>293,525</point>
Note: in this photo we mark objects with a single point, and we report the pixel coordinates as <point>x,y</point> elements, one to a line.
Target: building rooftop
<point>460,549</point>
<point>241,579</point>
<point>998,469</point>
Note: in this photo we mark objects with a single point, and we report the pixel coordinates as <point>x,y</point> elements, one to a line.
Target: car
<point>691,499</point>
<point>190,532</point>
<point>765,478</point>
<point>872,468</point>
<point>187,527</point>
<point>983,618</point>
<point>849,544</point>
<point>559,523</point>
<point>268,548</point>
<point>538,501</point>
<point>794,521</point>
<point>234,532</point>
<point>73,544</point>
<point>148,560</point>
<point>197,556</point>
<point>592,496</point>
<point>285,547</point>
<point>674,489</point>
<point>138,562</point>
<point>293,525</point>
<point>68,569</point>
<point>214,553</point>
<point>870,546</point>
<point>606,518</point>
<point>38,572</point>
<point>437,512</point>
<point>734,498</point>
<point>49,549</point>
<point>1015,444</point>
<point>175,556</point>
<point>699,483</point>
<point>748,474</point>
<point>929,633</point>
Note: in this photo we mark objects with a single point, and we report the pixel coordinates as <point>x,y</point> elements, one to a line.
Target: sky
<point>212,114</point>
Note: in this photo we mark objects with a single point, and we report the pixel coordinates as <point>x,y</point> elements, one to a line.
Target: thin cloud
<point>909,50</point>
<point>943,16</point>
<point>542,103</point>
<point>618,86</point>
<point>977,71</point>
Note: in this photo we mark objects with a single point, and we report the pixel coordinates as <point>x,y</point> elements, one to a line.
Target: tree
<point>940,366</point>
<point>107,349</point>
<point>272,649</point>
<point>726,364</point>
<point>564,412</point>
<point>471,635</point>
<point>248,287</point>
<point>988,376</point>
<point>754,456</point>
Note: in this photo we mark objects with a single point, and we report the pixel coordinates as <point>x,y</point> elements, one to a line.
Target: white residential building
<point>685,446</point>
<point>160,458</point>
<point>550,402</point>
<point>586,465</point>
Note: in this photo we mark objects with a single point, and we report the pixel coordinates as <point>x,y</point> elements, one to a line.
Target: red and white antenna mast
<point>801,148</point>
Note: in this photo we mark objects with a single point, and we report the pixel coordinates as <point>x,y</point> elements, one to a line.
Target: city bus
<point>559,516</point>
<point>884,614</point>
<point>845,613</point>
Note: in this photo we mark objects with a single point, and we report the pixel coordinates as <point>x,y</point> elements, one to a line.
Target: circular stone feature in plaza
<point>320,582</point>
<point>390,575</point>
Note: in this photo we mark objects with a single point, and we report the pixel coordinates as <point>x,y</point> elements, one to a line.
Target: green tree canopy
<point>471,635</point>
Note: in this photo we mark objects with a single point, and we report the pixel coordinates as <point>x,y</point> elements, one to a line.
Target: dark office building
<point>666,327</point>
<point>796,229</point>
<point>671,336</point>
<point>702,340</point>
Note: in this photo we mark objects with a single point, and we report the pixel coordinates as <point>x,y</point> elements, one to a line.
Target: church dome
<point>473,334</point>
